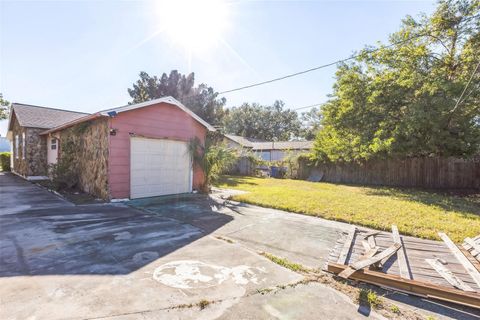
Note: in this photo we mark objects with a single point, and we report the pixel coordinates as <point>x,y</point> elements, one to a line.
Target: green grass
<point>285,263</point>
<point>369,297</point>
<point>415,212</point>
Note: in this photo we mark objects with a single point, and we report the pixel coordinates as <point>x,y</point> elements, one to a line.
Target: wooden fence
<point>243,166</point>
<point>435,173</point>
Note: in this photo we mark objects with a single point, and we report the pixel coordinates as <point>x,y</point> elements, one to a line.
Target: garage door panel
<point>159,167</point>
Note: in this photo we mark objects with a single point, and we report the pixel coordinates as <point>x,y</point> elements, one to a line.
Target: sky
<point>83,55</point>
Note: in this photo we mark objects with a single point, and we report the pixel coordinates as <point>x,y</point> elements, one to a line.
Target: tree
<point>214,158</point>
<point>263,122</point>
<point>400,100</point>
<point>203,100</point>
<point>4,107</point>
<point>311,123</point>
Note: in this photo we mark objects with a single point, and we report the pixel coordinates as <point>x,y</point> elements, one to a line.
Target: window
<point>266,155</point>
<point>24,146</point>
<point>53,144</point>
<point>16,146</point>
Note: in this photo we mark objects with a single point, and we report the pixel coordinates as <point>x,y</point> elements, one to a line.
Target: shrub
<point>214,159</point>
<point>291,162</point>
<point>64,173</point>
<point>5,161</point>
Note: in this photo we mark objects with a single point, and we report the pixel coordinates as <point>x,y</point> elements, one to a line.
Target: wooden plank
<point>472,271</point>
<point>473,260</point>
<point>371,241</point>
<point>401,258</point>
<point>415,287</point>
<point>346,246</point>
<point>473,244</point>
<point>370,253</point>
<point>382,255</point>
<point>360,264</point>
<point>472,251</point>
<point>371,233</point>
<point>366,246</point>
<point>448,275</point>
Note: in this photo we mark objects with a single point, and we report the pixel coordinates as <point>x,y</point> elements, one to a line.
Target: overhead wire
<point>466,87</point>
<point>335,62</point>
<point>319,67</point>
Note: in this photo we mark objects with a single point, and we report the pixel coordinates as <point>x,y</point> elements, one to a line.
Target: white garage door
<point>159,167</point>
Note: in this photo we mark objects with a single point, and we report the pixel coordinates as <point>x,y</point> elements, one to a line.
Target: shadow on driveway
<point>94,239</point>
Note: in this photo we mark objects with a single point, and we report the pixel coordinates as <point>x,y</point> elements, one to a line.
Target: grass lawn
<point>415,212</point>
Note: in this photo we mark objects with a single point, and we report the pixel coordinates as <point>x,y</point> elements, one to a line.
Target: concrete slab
<point>60,261</point>
<point>18,195</point>
<point>258,228</point>
<point>300,302</point>
<point>312,301</point>
<point>205,269</point>
<point>299,238</point>
<point>97,239</point>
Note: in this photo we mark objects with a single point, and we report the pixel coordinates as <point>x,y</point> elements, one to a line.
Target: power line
<point>456,105</point>
<point>306,107</point>
<point>334,63</point>
<point>465,89</point>
<point>320,67</point>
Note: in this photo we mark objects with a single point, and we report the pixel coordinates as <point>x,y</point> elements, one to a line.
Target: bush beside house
<point>5,161</point>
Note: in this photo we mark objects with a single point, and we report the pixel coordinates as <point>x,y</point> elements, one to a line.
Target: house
<point>268,150</point>
<point>133,151</point>
<point>29,148</point>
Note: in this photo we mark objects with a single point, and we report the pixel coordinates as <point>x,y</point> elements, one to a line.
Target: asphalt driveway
<point>159,258</point>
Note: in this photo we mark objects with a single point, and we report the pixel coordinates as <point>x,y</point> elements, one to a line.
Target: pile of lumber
<point>368,267</point>
<point>472,246</point>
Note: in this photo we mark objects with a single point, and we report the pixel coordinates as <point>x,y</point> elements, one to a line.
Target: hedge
<point>5,161</point>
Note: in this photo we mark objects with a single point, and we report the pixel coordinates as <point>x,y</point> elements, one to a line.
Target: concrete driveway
<point>60,261</point>
<point>17,195</point>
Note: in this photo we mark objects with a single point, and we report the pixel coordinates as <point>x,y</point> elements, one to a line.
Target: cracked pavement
<point>158,258</point>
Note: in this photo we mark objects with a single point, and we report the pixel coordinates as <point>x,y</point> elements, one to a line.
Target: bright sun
<point>196,25</point>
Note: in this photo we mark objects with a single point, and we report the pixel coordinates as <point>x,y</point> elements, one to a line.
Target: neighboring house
<point>268,150</point>
<point>4,144</point>
<point>133,151</point>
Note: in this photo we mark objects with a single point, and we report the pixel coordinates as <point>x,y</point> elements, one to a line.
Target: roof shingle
<point>256,144</point>
<point>43,117</point>
<point>283,145</point>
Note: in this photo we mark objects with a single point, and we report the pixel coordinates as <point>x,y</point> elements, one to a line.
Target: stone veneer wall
<point>19,164</point>
<point>36,152</point>
<point>35,161</point>
<point>91,141</point>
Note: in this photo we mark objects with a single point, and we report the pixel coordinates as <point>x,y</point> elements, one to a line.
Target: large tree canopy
<point>311,123</point>
<point>263,122</point>
<point>403,100</point>
<point>202,100</point>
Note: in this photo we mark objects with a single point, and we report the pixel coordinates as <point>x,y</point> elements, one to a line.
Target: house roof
<point>109,112</point>
<point>256,144</point>
<point>169,100</point>
<point>283,145</point>
<point>243,141</point>
<point>42,117</point>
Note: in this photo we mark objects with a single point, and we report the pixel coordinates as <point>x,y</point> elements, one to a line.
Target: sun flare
<point>195,25</point>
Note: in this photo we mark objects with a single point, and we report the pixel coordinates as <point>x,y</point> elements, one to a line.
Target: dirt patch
<point>365,295</point>
<point>75,196</point>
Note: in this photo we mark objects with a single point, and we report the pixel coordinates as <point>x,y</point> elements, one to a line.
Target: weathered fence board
<point>243,166</point>
<point>437,173</point>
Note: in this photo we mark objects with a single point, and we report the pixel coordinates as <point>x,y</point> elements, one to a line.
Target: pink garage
<point>133,151</point>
